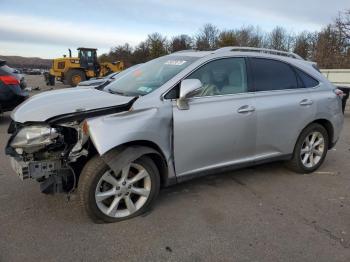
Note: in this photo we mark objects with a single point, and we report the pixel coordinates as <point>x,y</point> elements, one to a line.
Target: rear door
<point>283,107</point>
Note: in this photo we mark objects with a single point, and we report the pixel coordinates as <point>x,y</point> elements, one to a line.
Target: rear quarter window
<point>305,80</point>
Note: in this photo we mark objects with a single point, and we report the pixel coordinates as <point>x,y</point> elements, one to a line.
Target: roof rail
<point>184,51</point>
<point>259,50</point>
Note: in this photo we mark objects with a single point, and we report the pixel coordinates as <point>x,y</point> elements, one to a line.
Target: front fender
<point>117,159</point>
<point>151,124</point>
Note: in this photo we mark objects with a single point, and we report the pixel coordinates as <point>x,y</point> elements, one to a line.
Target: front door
<point>218,129</point>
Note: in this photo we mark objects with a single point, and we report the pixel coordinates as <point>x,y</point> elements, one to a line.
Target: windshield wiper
<point>116,92</point>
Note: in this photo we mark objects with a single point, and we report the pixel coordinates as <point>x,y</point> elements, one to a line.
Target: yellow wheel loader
<point>72,70</point>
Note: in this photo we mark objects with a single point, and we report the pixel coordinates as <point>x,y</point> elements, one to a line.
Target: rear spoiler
<point>314,65</point>
<point>2,62</point>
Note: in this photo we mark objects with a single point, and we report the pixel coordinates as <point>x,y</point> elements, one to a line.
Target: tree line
<point>329,47</point>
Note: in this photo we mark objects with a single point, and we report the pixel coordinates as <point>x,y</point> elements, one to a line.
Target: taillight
<point>339,93</point>
<point>9,80</point>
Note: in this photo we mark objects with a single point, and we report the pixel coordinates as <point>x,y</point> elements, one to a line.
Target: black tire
<point>71,74</point>
<point>88,181</point>
<point>296,163</point>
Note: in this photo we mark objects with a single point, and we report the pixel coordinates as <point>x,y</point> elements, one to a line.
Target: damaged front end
<point>48,153</point>
<point>53,152</point>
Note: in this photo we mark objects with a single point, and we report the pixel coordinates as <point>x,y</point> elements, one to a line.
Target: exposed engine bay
<point>48,154</point>
<point>53,152</point>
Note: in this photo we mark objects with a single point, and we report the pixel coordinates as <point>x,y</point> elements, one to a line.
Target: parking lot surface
<point>263,213</point>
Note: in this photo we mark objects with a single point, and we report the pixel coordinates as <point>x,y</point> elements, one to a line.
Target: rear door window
<point>272,75</point>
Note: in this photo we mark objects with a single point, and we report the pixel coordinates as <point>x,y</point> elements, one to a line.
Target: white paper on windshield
<point>144,89</point>
<point>175,62</point>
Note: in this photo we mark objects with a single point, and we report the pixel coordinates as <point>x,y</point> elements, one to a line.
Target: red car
<point>12,91</point>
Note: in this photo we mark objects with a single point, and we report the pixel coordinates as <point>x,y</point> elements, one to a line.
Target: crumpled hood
<point>44,106</point>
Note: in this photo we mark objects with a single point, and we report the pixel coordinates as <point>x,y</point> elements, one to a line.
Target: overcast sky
<point>46,28</point>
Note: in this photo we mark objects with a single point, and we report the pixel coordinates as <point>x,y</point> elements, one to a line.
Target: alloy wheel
<point>121,195</point>
<point>312,149</point>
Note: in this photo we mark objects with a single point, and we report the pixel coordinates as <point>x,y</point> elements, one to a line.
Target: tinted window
<point>222,77</point>
<point>273,75</point>
<point>306,80</point>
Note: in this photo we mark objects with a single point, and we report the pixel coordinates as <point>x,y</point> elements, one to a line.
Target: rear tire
<point>74,76</point>
<point>97,179</point>
<point>310,149</point>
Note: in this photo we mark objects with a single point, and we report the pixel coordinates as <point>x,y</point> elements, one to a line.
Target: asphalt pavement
<point>263,213</point>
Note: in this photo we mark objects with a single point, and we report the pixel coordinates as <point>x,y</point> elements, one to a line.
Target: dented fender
<point>152,124</point>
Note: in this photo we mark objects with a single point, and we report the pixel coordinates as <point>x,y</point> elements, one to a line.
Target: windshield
<point>149,76</point>
<point>124,72</point>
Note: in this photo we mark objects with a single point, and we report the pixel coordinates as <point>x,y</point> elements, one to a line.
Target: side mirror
<point>188,88</point>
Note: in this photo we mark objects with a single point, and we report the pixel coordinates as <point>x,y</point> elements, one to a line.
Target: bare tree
<point>181,42</point>
<point>104,58</point>
<point>249,36</point>
<point>157,45</point>
<point>343,23</point>
<point>278,39</point>
<point>141,53</point>
<point>243,36</point>
<point>227,38</point>
<point>122,53</point>
<point>302,45</point>
<point>207,37</point>
<point>329,48</point>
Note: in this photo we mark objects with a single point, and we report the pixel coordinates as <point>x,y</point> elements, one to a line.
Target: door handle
<point>246,109</point>
<point>306,102</point>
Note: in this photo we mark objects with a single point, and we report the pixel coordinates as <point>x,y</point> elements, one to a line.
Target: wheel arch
<point>155,153</point>
<point>326,124</point>
<point>329,128</point>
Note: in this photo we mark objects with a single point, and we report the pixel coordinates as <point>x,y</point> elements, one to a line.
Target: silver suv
<point>176,117</point>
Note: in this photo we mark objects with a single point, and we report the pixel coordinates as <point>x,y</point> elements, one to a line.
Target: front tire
<point>310,149</point>
<point>109,197</point>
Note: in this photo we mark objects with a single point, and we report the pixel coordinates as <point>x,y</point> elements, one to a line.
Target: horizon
<point>45,29</point>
